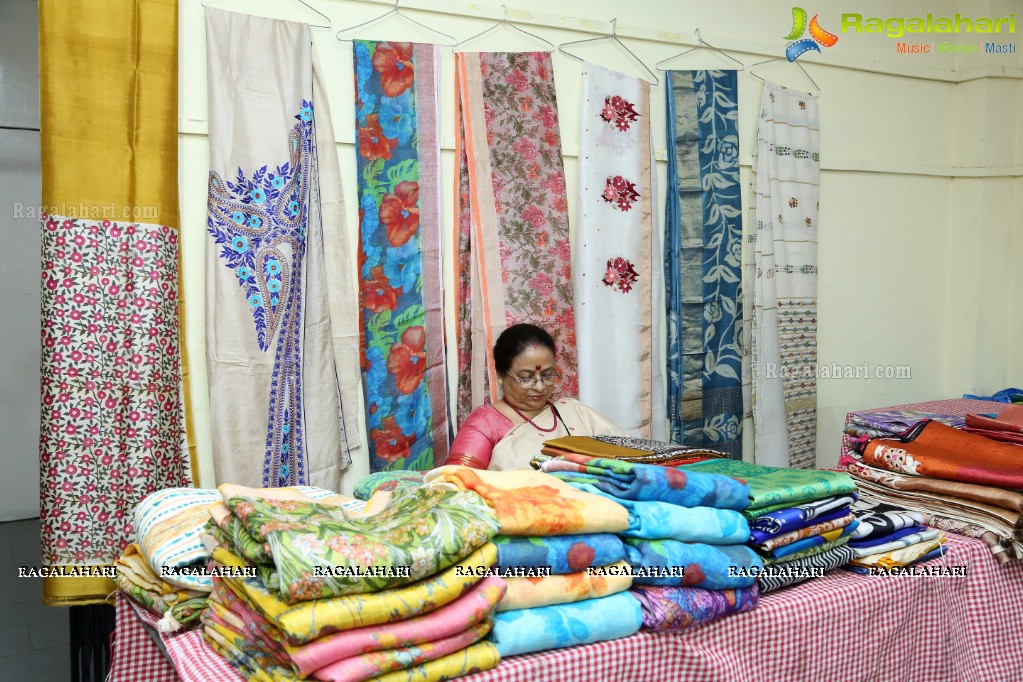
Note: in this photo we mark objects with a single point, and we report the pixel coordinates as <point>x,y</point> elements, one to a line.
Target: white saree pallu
<point>281,319</point>
<point>781,327</point>
<point>614,258</point>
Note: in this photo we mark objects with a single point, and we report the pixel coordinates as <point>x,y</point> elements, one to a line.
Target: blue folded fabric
<point>559,626</point>
<point>563,553</point>
<point>884,539</point>
<point>807,543</point>
<point>800,515</point>
<point>758,536</point>
<point>720,567</point>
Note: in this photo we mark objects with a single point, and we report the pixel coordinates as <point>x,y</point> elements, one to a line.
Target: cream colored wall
<point>921,189</point>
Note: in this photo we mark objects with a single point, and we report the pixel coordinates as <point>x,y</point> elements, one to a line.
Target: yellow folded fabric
<point>476,658</point>
<point>528,593</point>
<point>534,503</point>
<point>585,445</point>
<point>306,621</point>
<point>900,557</point>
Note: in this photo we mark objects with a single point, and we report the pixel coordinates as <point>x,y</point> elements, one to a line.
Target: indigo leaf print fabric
<point>426,529</point>
<point>399,257</point>
<point>669,609</point>
<point>703,261</point>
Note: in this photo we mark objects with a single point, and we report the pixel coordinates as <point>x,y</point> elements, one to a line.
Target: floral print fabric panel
<point>565,588</point>
<point>669,609</point>
<point>559,626</point>
<point>708,566</point>
<point>396,110</point>
<point>703,261</point>
<point>562,553</point>
<point>779,485</point>
<point>518,267</point>
<point>111,427</point>
<point>614,253</point>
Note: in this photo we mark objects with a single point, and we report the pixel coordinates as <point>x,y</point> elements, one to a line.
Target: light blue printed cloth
<point>706,566</point>
<point>562,553</point>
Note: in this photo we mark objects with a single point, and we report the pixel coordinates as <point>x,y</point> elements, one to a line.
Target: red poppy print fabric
<point>111,423</point>
<point>519,260</point>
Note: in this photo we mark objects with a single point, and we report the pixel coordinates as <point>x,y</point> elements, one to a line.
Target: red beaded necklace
<point>531,422</point>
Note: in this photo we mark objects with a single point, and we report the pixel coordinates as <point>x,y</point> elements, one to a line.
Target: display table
<point>844,626</point>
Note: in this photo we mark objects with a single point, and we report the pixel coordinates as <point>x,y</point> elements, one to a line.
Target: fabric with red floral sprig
<point>399,208</point>
<point>529,272</point>
<point>615,252</point>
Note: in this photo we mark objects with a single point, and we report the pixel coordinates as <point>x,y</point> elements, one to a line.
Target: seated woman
<point>507,434</point>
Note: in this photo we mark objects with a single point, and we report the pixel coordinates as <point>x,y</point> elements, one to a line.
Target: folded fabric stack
<point>890,537</point>
<point>1005,425</point>
<point>547,524</point>
<point>179,607</point>
<point>635,450</point>
<point>395,592</point>
<point>965,482</point>
<point>800,519</point>
<point>387,480</point>
<point>685,539</point>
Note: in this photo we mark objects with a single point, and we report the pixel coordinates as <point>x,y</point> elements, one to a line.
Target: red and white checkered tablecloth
<point>844,626</point>
<point>134,655</point>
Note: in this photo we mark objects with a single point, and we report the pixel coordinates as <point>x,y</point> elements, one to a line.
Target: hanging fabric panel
<point>514,261</point>
<point>703,255</point>
<point>614,255</point>
<point>275,345</point>
<point>111,418</point>
<point>781,270</point>
<point>398,154</point>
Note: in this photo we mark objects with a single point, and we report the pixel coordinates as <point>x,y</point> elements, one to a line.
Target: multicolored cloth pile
<point>800,519</point>
<point>889,537</point>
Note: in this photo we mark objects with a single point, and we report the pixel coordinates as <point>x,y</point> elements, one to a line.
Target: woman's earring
<point>500,382</point>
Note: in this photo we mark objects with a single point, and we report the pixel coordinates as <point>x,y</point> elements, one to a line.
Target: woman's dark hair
<point>516,339</point>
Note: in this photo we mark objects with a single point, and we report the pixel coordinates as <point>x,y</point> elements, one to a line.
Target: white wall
<point>19,261</point>
<point>921,190</point>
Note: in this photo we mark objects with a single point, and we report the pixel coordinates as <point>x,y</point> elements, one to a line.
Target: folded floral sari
<point>471,609</point>
<point>375,663</point>
<point>528,593</point>
<point>999,497</point>
<point>902,556</point>
<point>706,566</point>
<point>252,662</point>
<point>562,553</point>
<point>798,516</point>
<point>939,451</point>
<point>669,609</point>
<point>879,518</point>
<point>303,622</point>
<point>564,625</point>
<point>819,528</point>
<point>534,503</point>
<point>177,606</point>
<point>813,541</point>
<point>665,521</point>
<point>799,570</point>
<point>898,543</point>
<point>776,485</point>
<point>387,480</point>
<point>477,658</point>
<point>647,482</point>
<point>426,529</point>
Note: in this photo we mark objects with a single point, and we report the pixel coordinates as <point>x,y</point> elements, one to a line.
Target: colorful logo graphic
<point>802,45</point>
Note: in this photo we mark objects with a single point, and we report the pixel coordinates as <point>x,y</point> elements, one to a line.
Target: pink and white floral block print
<point>111,422</point>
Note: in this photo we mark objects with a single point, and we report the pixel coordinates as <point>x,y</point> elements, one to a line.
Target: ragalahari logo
<point>818,36</point>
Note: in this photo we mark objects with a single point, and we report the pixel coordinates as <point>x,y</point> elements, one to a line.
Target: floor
<point>34,639</point>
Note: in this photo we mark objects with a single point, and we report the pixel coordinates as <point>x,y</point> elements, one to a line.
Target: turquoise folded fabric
<point>563,625</point>
<point>706,566</point>
<point>562,553</point>
<point>651,483</point>
<point>665,521</point>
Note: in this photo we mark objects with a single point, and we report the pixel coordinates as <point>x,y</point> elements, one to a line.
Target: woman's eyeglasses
<point>547,379</point>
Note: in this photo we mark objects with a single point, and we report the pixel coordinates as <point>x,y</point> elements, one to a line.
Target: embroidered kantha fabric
<point>513,257</point>
<point>398,153</point>
<point>616,251</point>
<point>111,417</point>
<point>669,609</point>
<point>703,260</point>
<point>780,281</point>
<point>279,354</point>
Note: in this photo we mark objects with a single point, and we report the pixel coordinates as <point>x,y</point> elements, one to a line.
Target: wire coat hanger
<point>504,22</point>
<point>407,19</point>
<point>779,59</point>
<point>614,37</point>
<point>329,24</point>
<point>701,44</point>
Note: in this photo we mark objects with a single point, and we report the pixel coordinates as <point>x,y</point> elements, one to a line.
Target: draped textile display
<point>615,282</point>
<point>513,260</point>
<point>401,296</point>
<point>780,269</point>
<point>111,427</point>
<point>702,261</point>
<point>280,309</point>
